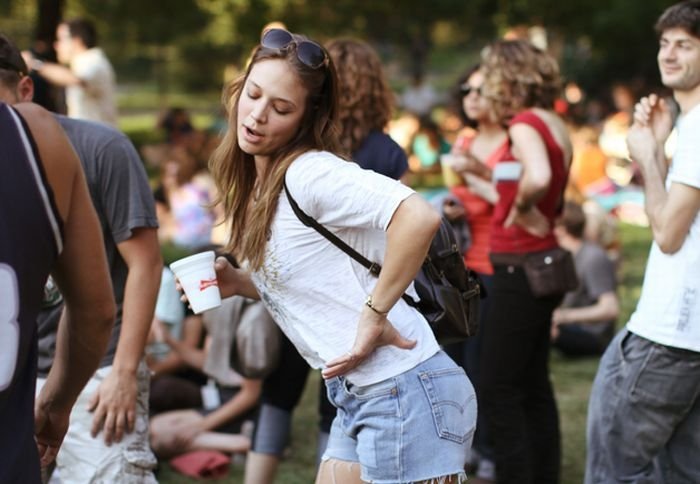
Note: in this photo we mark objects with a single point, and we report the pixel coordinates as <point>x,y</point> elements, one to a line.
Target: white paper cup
<point>450,177</point>
<point>198,279</point>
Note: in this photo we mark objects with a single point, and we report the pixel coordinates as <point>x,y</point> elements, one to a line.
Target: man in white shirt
<point>644,411</point>
<point>87,74</point>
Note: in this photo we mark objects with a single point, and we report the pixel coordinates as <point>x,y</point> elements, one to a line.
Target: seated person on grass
<point>584,324</point>
<point>229,401</point>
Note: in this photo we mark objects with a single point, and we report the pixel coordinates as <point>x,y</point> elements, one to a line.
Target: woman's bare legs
<point>335,471</point>
<point>261,468</point>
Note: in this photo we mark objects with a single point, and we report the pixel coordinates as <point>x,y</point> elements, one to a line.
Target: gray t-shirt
<point>596,274</point>
<point>123,201</point>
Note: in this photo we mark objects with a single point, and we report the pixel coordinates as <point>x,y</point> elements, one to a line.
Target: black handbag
<point>550,272</point>
<point>449,293</point>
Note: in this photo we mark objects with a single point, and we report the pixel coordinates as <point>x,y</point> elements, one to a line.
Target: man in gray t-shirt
<point>124,204</point>
<point>115,402</point>
<point>584,324</point>
<point>107,436</point>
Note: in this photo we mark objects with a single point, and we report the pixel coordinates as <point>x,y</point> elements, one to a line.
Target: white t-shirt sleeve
<point>90,69</point>
<point>686,160</point>
<point>339,193</point>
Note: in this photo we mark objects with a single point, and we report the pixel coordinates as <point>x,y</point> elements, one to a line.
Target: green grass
<point>572,381</point>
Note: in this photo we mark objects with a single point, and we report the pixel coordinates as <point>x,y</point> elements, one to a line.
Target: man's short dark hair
<point>84,30</point>
<point>12,65</point>
<point>573,219</point>
<point>684,15</point>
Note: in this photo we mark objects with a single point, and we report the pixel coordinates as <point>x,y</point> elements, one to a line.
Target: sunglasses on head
<point>308,52</point>
<point>466,89</point>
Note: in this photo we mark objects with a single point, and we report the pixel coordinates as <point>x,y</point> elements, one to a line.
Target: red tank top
<point>507,173</point>
<point>479,211</point>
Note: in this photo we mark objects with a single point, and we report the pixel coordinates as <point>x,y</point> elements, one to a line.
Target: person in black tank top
<point>39,227</point>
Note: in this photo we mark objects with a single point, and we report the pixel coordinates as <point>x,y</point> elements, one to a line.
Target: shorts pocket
<point>372,400</point>
<point>452,402</point>
<point>368,392</point>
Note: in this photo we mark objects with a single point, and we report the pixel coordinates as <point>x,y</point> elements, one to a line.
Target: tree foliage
<point>598,41</point>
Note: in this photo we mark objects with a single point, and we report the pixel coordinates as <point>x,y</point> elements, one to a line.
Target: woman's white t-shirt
<point>313,290</point>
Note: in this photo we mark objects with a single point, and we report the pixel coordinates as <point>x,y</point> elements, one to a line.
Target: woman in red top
<point>522,82</point>
<point>475,155</point>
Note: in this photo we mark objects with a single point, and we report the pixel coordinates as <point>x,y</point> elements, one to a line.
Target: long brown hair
<point>365,99</point>
<point>234,170</point>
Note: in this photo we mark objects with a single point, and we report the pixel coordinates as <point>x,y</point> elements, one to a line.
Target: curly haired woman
<point>366,104</point>
<point>521,83</point>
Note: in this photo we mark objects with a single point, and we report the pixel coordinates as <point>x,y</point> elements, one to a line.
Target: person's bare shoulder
<point>55,152</point>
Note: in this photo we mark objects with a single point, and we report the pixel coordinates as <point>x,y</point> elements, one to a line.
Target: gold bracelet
<point>368,303</point>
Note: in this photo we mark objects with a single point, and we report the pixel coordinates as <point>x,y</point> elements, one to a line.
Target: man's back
<point>123,201</point>
<point>125,209</point>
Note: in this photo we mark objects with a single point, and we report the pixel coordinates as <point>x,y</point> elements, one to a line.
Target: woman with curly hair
<point>365,107</point>
<point>521,83</point>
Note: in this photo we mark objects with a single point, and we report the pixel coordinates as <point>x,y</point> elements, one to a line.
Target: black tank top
<point>31,237</point>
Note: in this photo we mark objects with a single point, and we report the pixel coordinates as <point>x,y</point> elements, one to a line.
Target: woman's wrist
<point>370,304</point>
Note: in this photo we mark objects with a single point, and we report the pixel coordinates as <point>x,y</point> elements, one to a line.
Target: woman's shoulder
<point>528,116</point>
<point>315,165</point>
<point>549,125</point>
<point>316,158</point>
<point>539,116</point>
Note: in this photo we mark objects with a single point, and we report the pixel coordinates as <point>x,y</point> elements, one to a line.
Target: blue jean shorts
<point>413,427</point>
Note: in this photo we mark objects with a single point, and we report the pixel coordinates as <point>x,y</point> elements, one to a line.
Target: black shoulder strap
<point>372,267</point>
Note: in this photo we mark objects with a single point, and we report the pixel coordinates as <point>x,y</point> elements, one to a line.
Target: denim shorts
<point>413,427</point>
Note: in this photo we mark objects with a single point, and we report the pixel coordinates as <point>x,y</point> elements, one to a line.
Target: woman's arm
<point>234,282</point>
<point>409,235</point>
<point>529,148</point>
<point>466,163</point>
